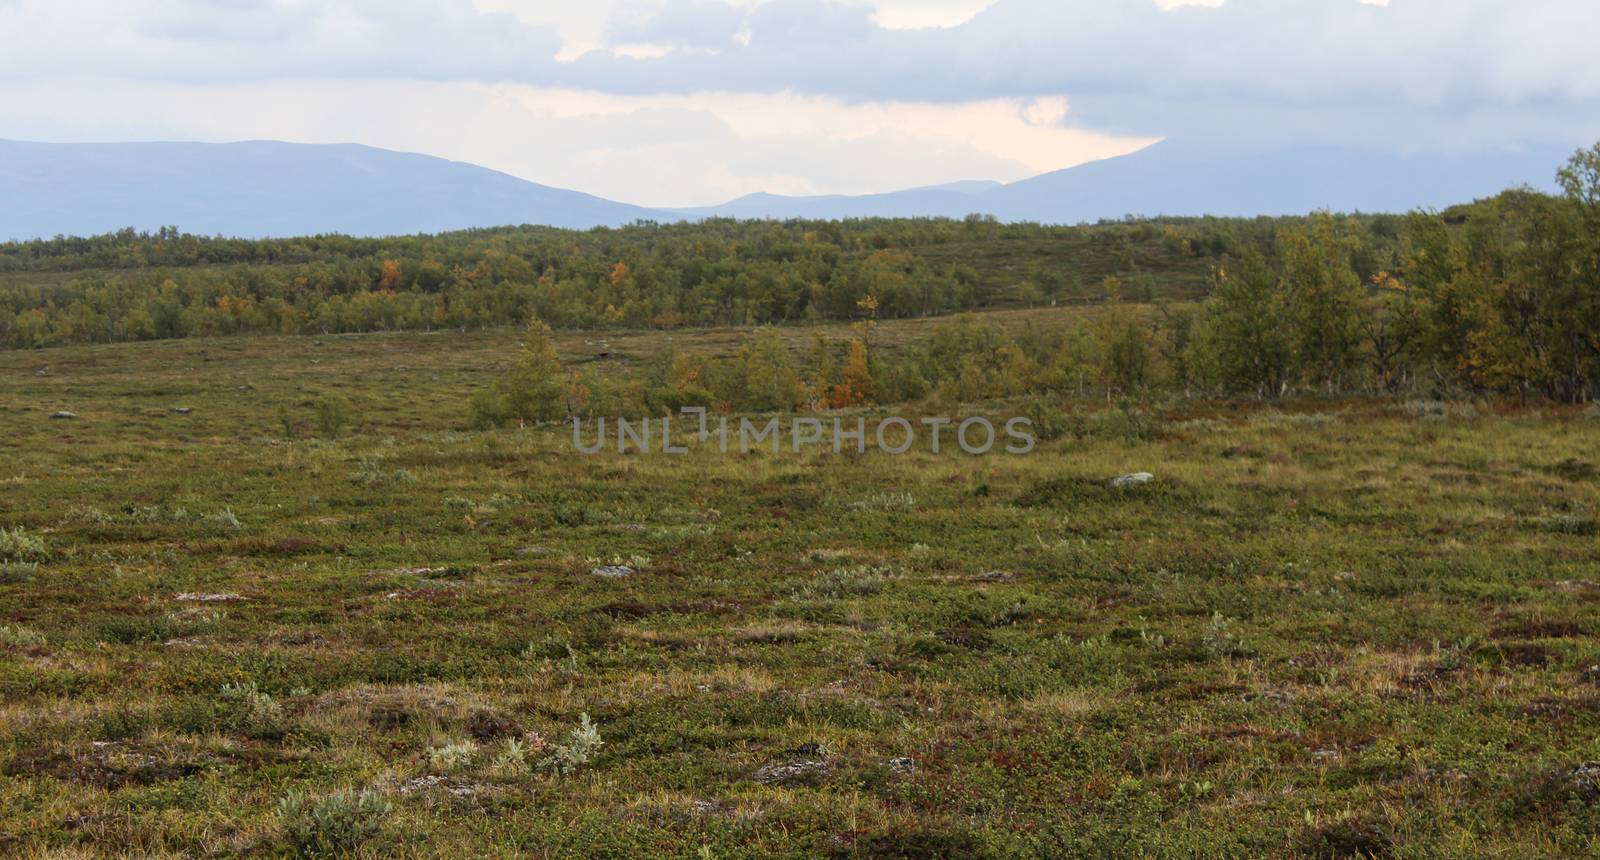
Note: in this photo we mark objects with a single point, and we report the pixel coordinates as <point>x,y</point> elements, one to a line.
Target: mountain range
<point>270,188</point>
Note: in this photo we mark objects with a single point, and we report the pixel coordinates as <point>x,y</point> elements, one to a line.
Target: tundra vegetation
<point>338,594</point>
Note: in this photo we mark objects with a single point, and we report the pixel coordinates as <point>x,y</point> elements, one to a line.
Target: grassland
<point>1325,629</point>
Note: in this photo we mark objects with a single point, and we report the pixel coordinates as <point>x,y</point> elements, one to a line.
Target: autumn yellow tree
<point>390,275</point>
<point>855,386</point>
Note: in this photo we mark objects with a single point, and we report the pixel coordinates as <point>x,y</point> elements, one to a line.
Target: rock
<point>903,764</point>
<point>64,415</point>
<point>1133,480</point>
<point>613,571</point>
<point>182,410</point>
<point>806,770</point>
<point>1586,779</point>
<point>996,576</point>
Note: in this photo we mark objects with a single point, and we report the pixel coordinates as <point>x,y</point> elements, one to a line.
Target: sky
<point>693,102</point>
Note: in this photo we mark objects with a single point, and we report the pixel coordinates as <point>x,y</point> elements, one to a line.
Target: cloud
<point>256,40</point>
<point>664,97</point>
<point>1423,52</point>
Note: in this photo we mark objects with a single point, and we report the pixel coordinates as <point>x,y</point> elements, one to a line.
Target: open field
<point>1340,629</point>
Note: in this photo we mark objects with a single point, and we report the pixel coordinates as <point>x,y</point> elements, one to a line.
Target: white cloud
<point>922,14</point>
<point>677,101</point>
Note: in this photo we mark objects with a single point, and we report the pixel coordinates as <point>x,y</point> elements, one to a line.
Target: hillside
<point>1174,179</point>
<point>268,188</point>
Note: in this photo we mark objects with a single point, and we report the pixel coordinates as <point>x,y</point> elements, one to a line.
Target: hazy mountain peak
<point>271,188</point>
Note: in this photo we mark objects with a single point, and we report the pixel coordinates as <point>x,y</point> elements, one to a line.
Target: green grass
<point>1324,629</point>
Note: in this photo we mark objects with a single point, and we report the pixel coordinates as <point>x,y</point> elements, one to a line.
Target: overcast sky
<point>685,102</point>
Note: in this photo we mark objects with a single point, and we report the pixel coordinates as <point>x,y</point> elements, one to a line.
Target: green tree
<point>534,390</point>
<point>1323,296</point>
<point>1241,336</point>
<point>770,382</point>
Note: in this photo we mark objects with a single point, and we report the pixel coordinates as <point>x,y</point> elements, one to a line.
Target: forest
<point>1500,296</point>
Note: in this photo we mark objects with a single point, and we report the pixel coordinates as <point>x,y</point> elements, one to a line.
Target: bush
<point>17,545</point>
<point>20,571</point>
<point>333,415</point>
<point>579,750</point>
<point>846,582</point>
<point>17,636</point>
<point>451,757</point>
<point>256,711</point>
<point>488,410</point>
<point>333,824</point>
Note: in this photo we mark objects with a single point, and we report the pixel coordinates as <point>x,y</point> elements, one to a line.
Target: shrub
<point>17,636</point>
<point>488,410</point>
<point>846,582</point>
<point>256,710</point>
<point>579,750</point>
<point>19,571</point>
<point>226,520</point>
<point>17,545</point>
<point>513,760</point>
<point>1218,640</point>
<point>333,415</point>
<point>333,824</point>
<point>451,757</point>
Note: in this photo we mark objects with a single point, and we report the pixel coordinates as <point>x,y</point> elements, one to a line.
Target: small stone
<point>1132,480</point>
<point>1586,778</point>
<point>64,415</point>
<point>613,571</point>
<point>182,410</point>
<point>791,772</point>
<point>903,764</point>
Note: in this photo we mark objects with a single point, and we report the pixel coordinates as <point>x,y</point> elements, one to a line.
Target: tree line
<point>1502,297</point>
<point>136,286</point>
<point>1498,296</point>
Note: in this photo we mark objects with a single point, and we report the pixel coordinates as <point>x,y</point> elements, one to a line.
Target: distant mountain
<point>1172,179</point>
<point>896,204</point>
<point>267,188</point>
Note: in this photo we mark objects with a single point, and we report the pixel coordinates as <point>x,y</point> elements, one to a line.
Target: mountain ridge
<point>271,188</point>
